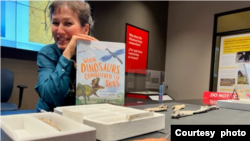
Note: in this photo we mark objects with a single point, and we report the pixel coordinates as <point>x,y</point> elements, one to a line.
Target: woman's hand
<point>71,48</point>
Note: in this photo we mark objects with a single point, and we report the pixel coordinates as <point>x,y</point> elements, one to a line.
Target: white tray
<point>111,122</point>
<point>29,127</point>
<point>234,104</point>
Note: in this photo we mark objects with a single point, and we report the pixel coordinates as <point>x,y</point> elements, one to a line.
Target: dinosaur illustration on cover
<point>113,54</point>
<point>86,90</point>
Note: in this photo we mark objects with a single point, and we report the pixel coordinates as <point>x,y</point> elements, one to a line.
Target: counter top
<point>221,116</point>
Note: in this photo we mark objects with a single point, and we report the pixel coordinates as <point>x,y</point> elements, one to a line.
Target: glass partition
<point>148,82</point>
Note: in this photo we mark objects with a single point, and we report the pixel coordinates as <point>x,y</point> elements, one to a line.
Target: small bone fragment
<point>178,107</point>
<point>159,108</point>
<point>50,123</point>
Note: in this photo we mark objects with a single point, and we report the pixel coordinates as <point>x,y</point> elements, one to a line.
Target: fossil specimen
<point>178,107</point>
<point>50,123</point>
<point>178,113</point>
<point>159,108</point>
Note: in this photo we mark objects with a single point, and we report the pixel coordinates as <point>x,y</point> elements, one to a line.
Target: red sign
<point>136,49</point>
<point>218,95</point>
<point>207,101</point>
<point>248,95</point>
<point>210,98</point>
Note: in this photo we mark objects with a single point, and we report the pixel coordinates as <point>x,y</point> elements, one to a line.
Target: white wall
<point>189,46</point>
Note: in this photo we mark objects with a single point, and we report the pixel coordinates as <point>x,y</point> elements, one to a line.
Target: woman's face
<point>65,24</point>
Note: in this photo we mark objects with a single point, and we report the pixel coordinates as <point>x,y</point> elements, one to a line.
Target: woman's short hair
<point>81,8</point>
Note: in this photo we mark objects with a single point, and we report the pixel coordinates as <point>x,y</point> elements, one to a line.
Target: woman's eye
<point>55,23</point>
<point>68,23</point>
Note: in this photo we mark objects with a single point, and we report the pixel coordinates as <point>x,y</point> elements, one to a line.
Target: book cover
<point>100,74</point>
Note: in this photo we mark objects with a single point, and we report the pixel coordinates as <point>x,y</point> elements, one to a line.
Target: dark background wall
<point>23,65</point>
<point>110,18</point>
<point>189,45</point>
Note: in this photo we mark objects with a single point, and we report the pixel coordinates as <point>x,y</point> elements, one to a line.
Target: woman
<point>70,21</point>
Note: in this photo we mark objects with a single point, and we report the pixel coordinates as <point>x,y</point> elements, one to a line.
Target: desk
<point>128,102</point>
<point>148,95</point>
<point>146,92</point>
<point>221,116</point>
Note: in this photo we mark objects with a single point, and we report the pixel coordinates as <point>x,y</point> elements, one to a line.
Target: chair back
<point>7,80</point>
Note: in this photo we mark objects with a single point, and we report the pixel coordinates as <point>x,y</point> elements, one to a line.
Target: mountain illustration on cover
<point>100,72</point>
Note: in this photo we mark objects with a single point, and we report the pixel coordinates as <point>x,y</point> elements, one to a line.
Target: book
<point>100,76</point>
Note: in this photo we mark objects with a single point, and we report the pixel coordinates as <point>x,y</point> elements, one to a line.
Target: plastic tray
<point>243,104</point>
<point>112,122</point>
<point>30,127</point>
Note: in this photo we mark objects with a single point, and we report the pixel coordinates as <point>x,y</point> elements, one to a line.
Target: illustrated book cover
<point>100,76</point>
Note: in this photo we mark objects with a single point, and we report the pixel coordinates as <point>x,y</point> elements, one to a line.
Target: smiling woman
<point>70,21</point>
